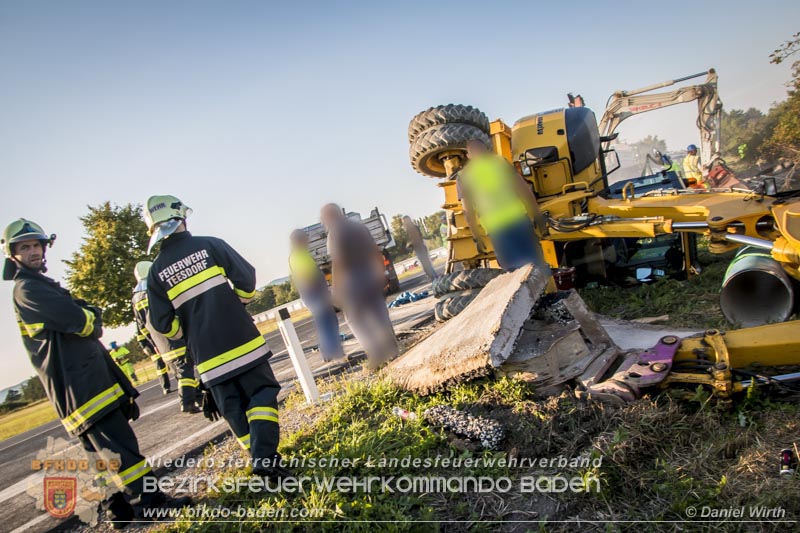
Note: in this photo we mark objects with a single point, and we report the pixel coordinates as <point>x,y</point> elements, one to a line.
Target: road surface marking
<point>44,516</point>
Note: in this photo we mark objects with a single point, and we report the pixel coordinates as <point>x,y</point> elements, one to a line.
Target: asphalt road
<point>161,428</point>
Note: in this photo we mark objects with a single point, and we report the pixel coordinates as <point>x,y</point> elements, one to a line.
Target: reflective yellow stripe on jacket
<point>88,327</point>
<point>30,330</point>
<point>83,413</point>
<point>490,181</point>
<point>198,284</point>
<point>233,359</point>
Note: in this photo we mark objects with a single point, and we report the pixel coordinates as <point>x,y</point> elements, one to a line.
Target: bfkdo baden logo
<point>68,480</point>
<point>60,495</point>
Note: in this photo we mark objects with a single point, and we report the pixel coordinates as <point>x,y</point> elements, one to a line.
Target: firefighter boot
<point>118,510</point>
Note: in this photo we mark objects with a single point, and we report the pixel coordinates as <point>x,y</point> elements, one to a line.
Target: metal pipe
<point>783,378</point>
<point>750,241</point>
<point>662,84</point>
<point>756,290</point>
<point>689,225</point>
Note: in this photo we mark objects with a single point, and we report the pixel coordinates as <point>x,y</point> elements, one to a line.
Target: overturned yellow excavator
<point>594,226</point>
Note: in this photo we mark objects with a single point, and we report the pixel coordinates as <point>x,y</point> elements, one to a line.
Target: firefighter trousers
<point>249,403</point>
<point>112,438</point>
<point>163,375</point>
<point>187,381</point>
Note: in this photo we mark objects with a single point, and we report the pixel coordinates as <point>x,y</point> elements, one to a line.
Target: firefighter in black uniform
<point>197,287</point>
<point>161,349</point>
<point>148,348</point>
<point>92,396</point>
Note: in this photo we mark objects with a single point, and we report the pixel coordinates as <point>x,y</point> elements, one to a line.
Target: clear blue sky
<point>257,112</point>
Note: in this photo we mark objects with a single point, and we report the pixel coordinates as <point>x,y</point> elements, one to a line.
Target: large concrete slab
<point>480,338</point>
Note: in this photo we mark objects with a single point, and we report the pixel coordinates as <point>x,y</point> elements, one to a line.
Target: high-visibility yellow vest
<point>303,267</point>
<point>691,168</point>
<point>493,192</point>
<point>119,355</point>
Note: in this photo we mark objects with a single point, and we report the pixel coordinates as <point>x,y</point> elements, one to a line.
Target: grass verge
<point>652,460</point>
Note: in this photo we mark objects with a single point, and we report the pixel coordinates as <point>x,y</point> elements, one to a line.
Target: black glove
<point>131,410</point>
<point>210,410</point>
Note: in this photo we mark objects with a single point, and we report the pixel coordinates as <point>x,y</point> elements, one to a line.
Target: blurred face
<point>29,254</point>
<point>300,239</point>
<point>475,149</point>
<point>329,215</point>
<point>693,151</point>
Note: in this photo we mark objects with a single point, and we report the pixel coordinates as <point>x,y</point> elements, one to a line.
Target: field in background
<point>268,326</point>
<point>28,417</point>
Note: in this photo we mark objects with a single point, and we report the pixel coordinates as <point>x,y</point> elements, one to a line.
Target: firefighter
<point>120,356</point>
<point>197,288</point>
<point>490,188</point>
<point>316,295</point>
<point>691,168</point>
<point>92,396</point>
<point>161,367</point>
<point>160,349</point>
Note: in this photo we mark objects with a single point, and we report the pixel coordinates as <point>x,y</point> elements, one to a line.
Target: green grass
<point>692,303</point>
<point>658,457</point>
<point>29,417</point>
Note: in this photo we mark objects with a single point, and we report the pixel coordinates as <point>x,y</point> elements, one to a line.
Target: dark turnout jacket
<point>61,336</point>
<point>167,349</point>
<point>194,287</point>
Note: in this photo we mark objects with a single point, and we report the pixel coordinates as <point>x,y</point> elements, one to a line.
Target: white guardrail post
<point>297,356</point>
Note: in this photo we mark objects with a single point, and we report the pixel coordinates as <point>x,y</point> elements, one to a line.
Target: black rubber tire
<point>462,280</point>
<point>447,114</point>
<point>453,303</point>
<point>445,137</point>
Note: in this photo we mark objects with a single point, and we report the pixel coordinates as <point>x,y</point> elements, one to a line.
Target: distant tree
<point>402,247</point>
<point>430,227</point>
<point>740,127</point>
<point>646,146</point>
<point>101,272</point>
<point>33,390</point>
<point>264,300</point>
<point>285,293</point>
<point>137,354</point>
<point>784,140</point>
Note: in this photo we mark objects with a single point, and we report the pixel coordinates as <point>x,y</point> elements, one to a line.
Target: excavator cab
<point>559,150</point>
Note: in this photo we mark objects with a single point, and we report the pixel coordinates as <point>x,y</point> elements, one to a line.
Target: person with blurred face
<point>358,279</point>
<point>500,201</point>
<point>314,292</point>
<point>418,245</point>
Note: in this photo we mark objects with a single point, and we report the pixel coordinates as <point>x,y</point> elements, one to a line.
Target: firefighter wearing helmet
<point>92,396</point>
<point>197,288</point>
<point>161,350</point>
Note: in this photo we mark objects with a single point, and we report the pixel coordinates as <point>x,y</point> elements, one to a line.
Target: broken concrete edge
<point>480,338</point>
<point>485,332</point>
<point>517,313</point>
